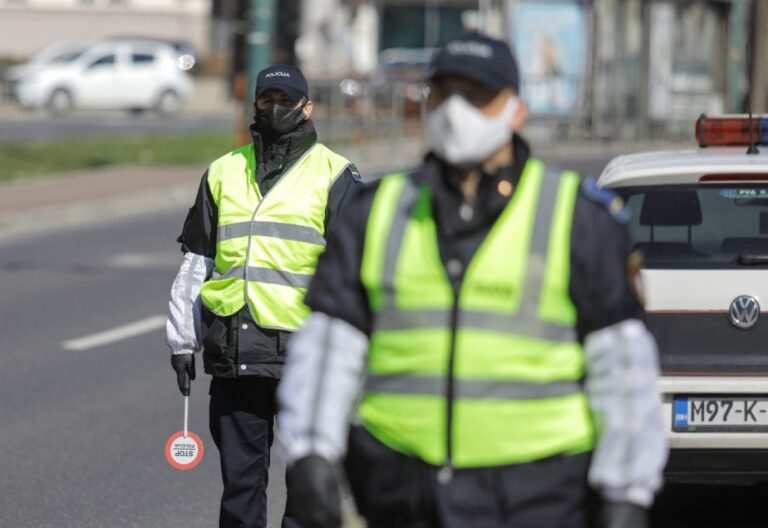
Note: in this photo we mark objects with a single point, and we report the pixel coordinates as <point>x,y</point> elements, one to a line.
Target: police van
<point>700,219</point>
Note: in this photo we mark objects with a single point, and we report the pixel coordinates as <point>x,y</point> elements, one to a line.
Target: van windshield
<point>69,56</point>
<point>692,226</point>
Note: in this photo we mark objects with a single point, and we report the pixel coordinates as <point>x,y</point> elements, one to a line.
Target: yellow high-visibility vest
<point>267,246</point>
<point>490,373</point>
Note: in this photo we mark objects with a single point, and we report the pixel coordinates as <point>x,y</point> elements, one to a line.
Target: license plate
<point>719,413</point>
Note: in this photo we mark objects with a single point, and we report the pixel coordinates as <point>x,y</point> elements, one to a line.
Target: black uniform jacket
<point>600,247</point>
<point>236,346</point>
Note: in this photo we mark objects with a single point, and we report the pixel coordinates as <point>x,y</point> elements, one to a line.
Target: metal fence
<point>356,111</point>
<point>352,110</point>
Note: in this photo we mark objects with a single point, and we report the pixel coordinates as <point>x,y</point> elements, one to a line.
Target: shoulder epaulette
<point>612,202</point>
<point>354,172</point>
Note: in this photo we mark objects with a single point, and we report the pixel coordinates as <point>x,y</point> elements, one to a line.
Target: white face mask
<point>461,135</point>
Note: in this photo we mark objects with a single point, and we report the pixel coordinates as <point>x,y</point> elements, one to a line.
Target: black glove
<point>313,487</point>
<point>184,365</point>
<point>623,515</point>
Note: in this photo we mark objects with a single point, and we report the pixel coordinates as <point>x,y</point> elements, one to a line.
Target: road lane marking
<point>116,334</point>
<point>138,260</point>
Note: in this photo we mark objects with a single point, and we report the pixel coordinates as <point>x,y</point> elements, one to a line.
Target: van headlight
<point>185,62</point>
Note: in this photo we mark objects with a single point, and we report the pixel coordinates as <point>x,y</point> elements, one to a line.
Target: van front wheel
<point>168,104</point>
<point>60,102</point>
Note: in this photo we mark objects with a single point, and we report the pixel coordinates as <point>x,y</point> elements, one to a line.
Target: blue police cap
<point>287,79</point>
<point>488,62</point>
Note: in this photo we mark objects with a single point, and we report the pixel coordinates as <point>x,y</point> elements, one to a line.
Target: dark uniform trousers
<point>242,414</point>
<point>396,491</point>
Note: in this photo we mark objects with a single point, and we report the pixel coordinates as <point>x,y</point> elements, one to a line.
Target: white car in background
<point>114,75</point>
<point>700,217</point>
<point>60,52</point>
<point>186,56</point>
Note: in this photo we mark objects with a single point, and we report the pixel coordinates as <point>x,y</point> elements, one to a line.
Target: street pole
<point>737,37</point>
<point>259,38</point>
<point>431,24</point>
<point>759,71</point>
<point>484,8</point>
<point>259,52</point>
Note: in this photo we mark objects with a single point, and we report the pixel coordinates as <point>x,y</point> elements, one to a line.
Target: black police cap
<point>487,61</point>
<point>287,79</point>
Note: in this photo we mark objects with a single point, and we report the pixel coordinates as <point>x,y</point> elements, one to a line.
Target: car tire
<point>168,104</point>
<point>60,102</point>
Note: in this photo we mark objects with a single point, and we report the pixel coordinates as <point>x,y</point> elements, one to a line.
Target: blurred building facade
<point>655,65</point>
<point>637,68</point>
<point>348,37</point>
<point>602,68</point>
<point>338,38</point>
<point>598,68</point>
<point>28,25</point>
<point>595,68</point>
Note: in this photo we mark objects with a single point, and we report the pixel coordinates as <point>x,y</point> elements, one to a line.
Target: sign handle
<point>186,414</point>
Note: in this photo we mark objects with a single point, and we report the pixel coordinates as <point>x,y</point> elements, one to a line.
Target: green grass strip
<point>26,160</point>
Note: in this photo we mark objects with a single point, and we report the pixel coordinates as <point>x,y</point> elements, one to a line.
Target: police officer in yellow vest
<point>251,242</point>
<point>484,299</point>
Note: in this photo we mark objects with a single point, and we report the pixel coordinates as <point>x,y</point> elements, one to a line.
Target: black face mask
<point>276,120</point>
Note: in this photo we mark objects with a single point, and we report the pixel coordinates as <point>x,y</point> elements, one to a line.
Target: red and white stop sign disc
<point>184,452</point>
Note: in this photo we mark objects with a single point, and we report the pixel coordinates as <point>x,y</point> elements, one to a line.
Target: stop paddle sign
<point>184,450</point>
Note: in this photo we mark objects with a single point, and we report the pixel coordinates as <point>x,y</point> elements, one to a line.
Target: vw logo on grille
<point>744,311</point>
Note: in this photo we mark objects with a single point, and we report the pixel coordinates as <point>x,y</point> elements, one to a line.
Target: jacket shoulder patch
<point>354,173</point>
<point>611,201</point>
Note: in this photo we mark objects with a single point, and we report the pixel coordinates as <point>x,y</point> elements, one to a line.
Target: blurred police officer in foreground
<point>250,244</point>
<point>485,300</point>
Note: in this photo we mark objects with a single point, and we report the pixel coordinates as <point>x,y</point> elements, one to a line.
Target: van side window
<point>142,58</point>
<point>106,60</point>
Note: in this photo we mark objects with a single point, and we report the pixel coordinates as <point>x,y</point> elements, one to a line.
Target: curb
<point>105,195</point>
<point>129,205</point>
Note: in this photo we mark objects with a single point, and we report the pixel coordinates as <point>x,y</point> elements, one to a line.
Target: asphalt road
<point>82,432</point>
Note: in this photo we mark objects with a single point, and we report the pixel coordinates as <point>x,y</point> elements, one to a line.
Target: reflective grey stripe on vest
<point>525,322</point>
<point>266,275</point>
<point>470,389</point>
<point>281,230</point>
<point>400,220</point>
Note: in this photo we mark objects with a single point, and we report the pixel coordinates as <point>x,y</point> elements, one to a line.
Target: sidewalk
<point>100,195</point>
<point>112,193</point>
